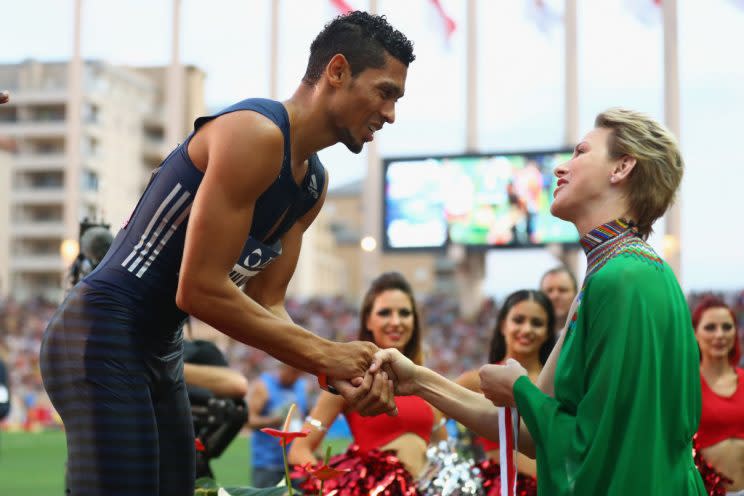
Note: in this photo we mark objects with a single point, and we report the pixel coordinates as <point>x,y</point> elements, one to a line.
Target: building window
<point>90,180</point>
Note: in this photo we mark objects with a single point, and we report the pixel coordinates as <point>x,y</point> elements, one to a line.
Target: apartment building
<point>5,169</point>
<point>78,154</point>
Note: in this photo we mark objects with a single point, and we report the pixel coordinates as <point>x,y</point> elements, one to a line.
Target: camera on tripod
<point>94,240</point>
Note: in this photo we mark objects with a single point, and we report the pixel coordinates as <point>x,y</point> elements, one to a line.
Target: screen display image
<point>498,200</point>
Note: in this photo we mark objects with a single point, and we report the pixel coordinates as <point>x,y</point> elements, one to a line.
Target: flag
<point>342,6</point>
<point>545,15</point>
<point>646,12</point>
<point>447,22</point>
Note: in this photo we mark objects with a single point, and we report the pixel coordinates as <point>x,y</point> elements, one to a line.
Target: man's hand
<point>401,369</point>
<point>497,381</point>
<point>351,360</point>
<point>370,396</point>
<point>4,96</point>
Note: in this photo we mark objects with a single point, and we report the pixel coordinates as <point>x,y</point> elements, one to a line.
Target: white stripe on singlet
<point>146,233</point>
<point>171,230</point>
<point>162,226</point>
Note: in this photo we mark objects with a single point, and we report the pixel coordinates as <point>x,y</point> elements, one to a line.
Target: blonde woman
<point>618,401</point>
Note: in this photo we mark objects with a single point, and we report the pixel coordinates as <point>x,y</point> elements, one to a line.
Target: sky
<point>520,87</point>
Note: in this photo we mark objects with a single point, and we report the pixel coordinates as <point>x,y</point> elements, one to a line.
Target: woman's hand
<point>497,381</point>
<point>400,370</point>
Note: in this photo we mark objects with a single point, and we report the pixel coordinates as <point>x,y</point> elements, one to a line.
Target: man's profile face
<point>558,286</point>
<point>367,102</point>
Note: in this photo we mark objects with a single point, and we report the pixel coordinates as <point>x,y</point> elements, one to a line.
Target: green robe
<point>627,387</point>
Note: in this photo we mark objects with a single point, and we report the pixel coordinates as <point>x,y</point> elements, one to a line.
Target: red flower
<point>285,437</point>
<point>324,472</point>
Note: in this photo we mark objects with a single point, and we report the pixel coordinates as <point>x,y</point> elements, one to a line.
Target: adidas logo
<point>313,186</point>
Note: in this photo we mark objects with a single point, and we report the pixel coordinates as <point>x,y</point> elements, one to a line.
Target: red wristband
<point>323,382</point>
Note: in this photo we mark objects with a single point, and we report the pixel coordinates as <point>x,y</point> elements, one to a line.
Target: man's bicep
<point>239,168</point>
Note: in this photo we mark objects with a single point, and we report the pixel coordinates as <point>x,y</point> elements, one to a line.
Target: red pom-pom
<point>491,474</point>
<point>372,472</point>
<point>715,482</point>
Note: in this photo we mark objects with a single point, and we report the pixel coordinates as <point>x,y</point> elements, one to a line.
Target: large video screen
<point>494,200</point>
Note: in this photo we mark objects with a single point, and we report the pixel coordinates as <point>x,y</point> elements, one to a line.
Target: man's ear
<point>337,70</point>
<point>623,167</point>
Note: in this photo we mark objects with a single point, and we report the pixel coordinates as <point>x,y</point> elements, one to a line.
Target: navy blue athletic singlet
<point>112,355</point>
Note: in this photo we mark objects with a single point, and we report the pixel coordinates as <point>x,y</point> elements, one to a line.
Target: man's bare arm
<point>241,154</point>
<point>222,381</point>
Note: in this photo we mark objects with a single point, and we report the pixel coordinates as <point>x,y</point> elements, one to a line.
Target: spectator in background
<point>389,318</point>
<point>4,96</point>
<point>720,436</point>
<point>560,286</point>
<point>270,398</point>
<point>525,332</point>
<point>4,386</point>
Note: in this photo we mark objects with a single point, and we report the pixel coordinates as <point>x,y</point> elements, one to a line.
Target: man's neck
<point>310,127</point>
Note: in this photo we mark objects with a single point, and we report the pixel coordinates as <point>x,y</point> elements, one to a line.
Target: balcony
<point>38,196</point>
<point>53,95</point>
<point>24,229</point>
<point>40,161</point>
<point>34,129</point>
<point>37,263</point>
<point>153,149</point>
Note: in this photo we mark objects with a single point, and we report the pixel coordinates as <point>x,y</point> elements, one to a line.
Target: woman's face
<point>391,319</point>
<point>585,178</point>
<point>716,333</point>
<point>525,329</point>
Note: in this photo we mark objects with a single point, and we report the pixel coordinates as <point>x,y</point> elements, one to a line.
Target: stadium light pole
<point>570,256</point>
<point>73,156</point>
<point>372,204</point>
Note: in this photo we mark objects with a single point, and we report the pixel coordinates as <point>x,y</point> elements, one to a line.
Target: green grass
<point>34,463</point>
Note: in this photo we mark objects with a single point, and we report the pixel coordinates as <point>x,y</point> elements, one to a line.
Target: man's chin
<point>354,147</point>
<point>348,140</point>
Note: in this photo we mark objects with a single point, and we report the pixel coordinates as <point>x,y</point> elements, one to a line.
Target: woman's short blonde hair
<point>659,167</point>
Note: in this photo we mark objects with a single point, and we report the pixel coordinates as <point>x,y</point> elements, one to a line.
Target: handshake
<point>372,377</point>
<point>369,378</point>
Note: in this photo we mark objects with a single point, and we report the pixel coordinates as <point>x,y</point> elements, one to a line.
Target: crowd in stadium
<point>453,344</point>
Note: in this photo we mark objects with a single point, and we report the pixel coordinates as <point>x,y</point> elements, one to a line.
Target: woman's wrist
<point>419,379</point>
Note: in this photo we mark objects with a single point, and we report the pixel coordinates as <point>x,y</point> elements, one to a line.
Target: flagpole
<point>673,218</point>
<point>372,205</point>
<point>571,104</point>
<point>471,93</point>
<point>174,127</point>
<point>274,51</point>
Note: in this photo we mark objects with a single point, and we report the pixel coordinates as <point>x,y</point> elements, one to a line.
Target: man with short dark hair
<point>225,211</point>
